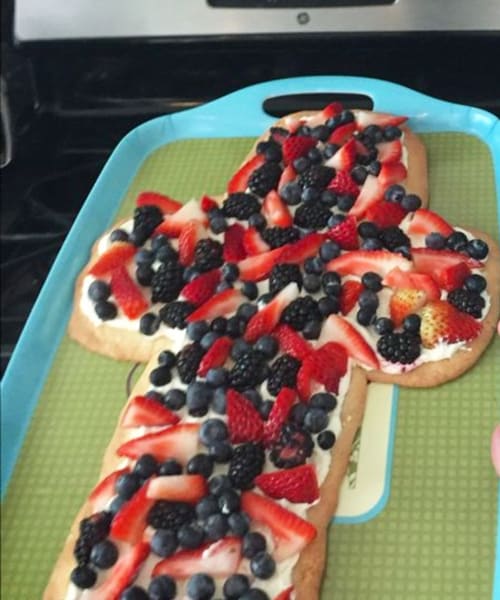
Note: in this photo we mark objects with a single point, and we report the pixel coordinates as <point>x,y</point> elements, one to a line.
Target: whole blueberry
<point>268,345</point>
<point>320,132</point>
<point>166,358</point>
<point>218,224</point>
<point>164,542</point>
<point>411,202</point>
<point>134,592</point>
<point>200,587</point>
<point>162,587</point>
<point>213,430</point>
<point>144,274</point>
<point>219,324</point>
<point>257,220</point>
<point>326,439</point>
<point>235,327</point>
<point>246,311</point>
<point>105,310</point>
<point>315,420</point>
<point>190,535</point>
<point>104,554</point>
<point>309,194</point>
<point>230,272</point>
<point>219,401</point>
<point>197,330</point>
<point>335,220</point>
<point>323,400</point>
<point>235,586</point>
<point>367,229</point>
<point>200,464</point>
<point>146,466</point>
<point>116,504</point>
<point>160,376</point>
<point>368,299</point>
<point>395,193</point>
<point>208,339</point>
<point>291,193</point>
<point>253,543</point>
<point>312,283</point>
<point>239,523</point>
<point>216,527</point>
<point>229,501</point>
<point>435,241</point>
<point>99,290</point>
<point>328,305</point>
<point>365,316</point>
<point>127,485</point>
<point>250,290</point>
<point>329,250</point>
<point>254,594</point>
<point>477,249</point>
<point>83,577</point>
<point>331,283</point>
<point>175,399</point>
<point>391,132</point>
<point>312,329</point>
<point>329,198</point>
<point>371,244</point>
<point>144,257</point>
<point>198,397</point>
<point>149,324</point>
<point>359,174</point>
<point>329,150</point>
<point>345,202</point>
<point>240,347</point>
<point>411,323</point>
<point>158,241</point>
<point>384,325</point>
<point>221,452</point>
<point>372,281</point>
<point>301,164</point>
<point>298,413</point>
<point>207,506</point>
<point>263,565</point>
<point>170,467</point>
<point>219,484</point>
<point>475,283</point>
<point>457,241</point>
<point>118,235</point>
<point>217,376</point>
<point>374,167</point>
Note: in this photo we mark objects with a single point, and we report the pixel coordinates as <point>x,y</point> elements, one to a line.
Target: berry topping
<point>83,577</point>
<point>441,321</point>
<point>316,176</point>
<point>216,355</point>
<point>278,415</point>
<point>146,219</point>
<point>291,342</point>
<point>246,463</point>
<point>243,419</point>
<point>255,268</point>
<point>349,295</point>
<point>127,294</point>
<point>191,233</point>
<point>265,178</point>
<point>144,411</point>
<point>200,587</point>
<point>188,361</point>
<point>262,565</point>
<point>298,484</point>
<point>468,302</point>
<point>405,301</point>
<point>293,447</point>
<point>283,374</point>
<point>385,214</point>
<point>234,249</point>
<point>276,211</point>
<point>170,516</point>
<point>254,242</point>
<point>426,221</point>
<point>279,236</point>
<point>359,262</point>
<point>241,206</point>
<point>117,255</point>
<point>399,347</point>
<point>178,488</point>
<point>296,146</point>
<point>300,311</point>
<point>175,314</point>
<point>239,181</point>
<point>264,321</point>
<point>208,255</point>
<point>312,215</point>
<point>345,234</point>
<point>222,303</point>
<point>166,204</point>
<point>303,249</point>
<point>167,281</point>
<point>130,522</point>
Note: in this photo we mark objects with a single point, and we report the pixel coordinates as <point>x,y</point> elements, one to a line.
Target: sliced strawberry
<point>342,133</point>
<point>452,277</point>
<point>307,384</point>
<point>191,233</point>
<point>296,146</point>
<point>337,329</point>
<point>216,355</point>
<point>266,319</point>
<point>219,305</point>
<point>243,419</point>
<point>127,294</point>
<point>117,255</point>
<point>234,250</point>
<point>404,302</point>
<point>430,261</point>
<point>178,441</point>
<point>326,366</point>
<point>299,251</point>
<point>105,490</point>
<point>129,523</point>
<point>286,594</point>
<point>220,559</point>
<point>338,359</point>
<point>290,532</point>
<point>144,411</point>
<point>343,183</point>
<point>239,181</point>
<point>292,342</point>
<point>331,110</point>
<point>255,268</point>
<point>287,176</point>
<point>167,205</point>
<point>389,151</point>
<point>121,574</point>
<point>345,233</point>
<point>178,488</point>
<point>276,211</point>
<point>441,321</point>
<point>253,242</point>
<point>345,158</point>
<point>368,117</point>
<point>426,221</point>
<point>410,279</point>
<point>173,224</point>
<point>385,214</point>
<point>392,173</point>
<point>278,415</point>
<point>200,289</point>
<point>298,484</point>
<point>207,204</point>
<point>349,295</point>
<point>358,262</point>
<point>371,193</point>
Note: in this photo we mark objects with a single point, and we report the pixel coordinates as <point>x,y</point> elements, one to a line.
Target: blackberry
<point>188,361</point>
<point>146,220</point>
<point>312,215</point>
<point>279,236</point>
<point>247,462</point>
<point>264,178</point>
<point>394,237</point>
<point>170,515</point>
<point>399,347</point>
<point>468,302</point>
<point>282,275</point>
<point>293,447</point>
<point>208,255</point>
<point>93,529</point>
<point>250,369</point>
<point>175,313</point>
<point>241,206</point>
<point>270,149</point>
<point>167,281</point>
<point>283,374</point>
<point>300,311</point>
<point>81,551</point>
<point>317,176</point>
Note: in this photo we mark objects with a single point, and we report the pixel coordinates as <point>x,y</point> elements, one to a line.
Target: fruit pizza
<point>264,314</point>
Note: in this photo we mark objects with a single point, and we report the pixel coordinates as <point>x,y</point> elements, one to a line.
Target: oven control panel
<point>80,19</point>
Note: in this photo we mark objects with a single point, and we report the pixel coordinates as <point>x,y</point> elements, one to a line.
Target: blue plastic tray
<point>47,323</point>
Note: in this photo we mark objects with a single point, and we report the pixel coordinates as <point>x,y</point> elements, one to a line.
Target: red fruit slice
<point>345,158</point>
<point>452,277</point>
<point>299,251</point>
<point>278,415</point>
<point>234,249</point>
<point>358,262</point>
<point>220,305</point>
<point>296,146</point>
<point>349,295</point>
<point>429,261</point>
<point>291,533</point>
<point>129,523</point>
<point>173,224</point>
<point>385,214</point>
<point>243,419</point>
<point>410,279</point>
<point>337,329</point>
<point>167,205</point>
<point>286,594</point>
<point>298,484</point>
<point>441,321</point>
<point>178,441</point>
<point>253,242</point>
<point>216,355</point>
<point>121,574</point>
<point>287,176</point>
<point>117,255</point>
<point>331,110</point>
<point>343,183</point>
<point>239,181</point>
<point>371,192</point>
<point>191,233</point>
<point>426,221</point>
<point>368,117</point>
<point>127,294</point>
<point>202,288</point>
<point>345,233</point>
<point>276,211</point>
<point>220,559</point>
<point>105,490</point>
<point>292,342</point>
<point>307,384</point>
<point>342,133</point>
<point>404,302</point>
<point>389,151</point>
<point>337,357</point>
<point>266,319</point>
<point>178,488</point>
<point>326,366</point>
<point>392,173</point>
<point>207,204</point>
<point>142,410</point>
<point>255,268</point>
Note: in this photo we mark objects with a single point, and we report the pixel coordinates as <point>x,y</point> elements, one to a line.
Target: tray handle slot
<point>279,106</point>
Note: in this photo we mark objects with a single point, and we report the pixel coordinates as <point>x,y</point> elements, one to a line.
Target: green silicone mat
<point>435,537</point>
